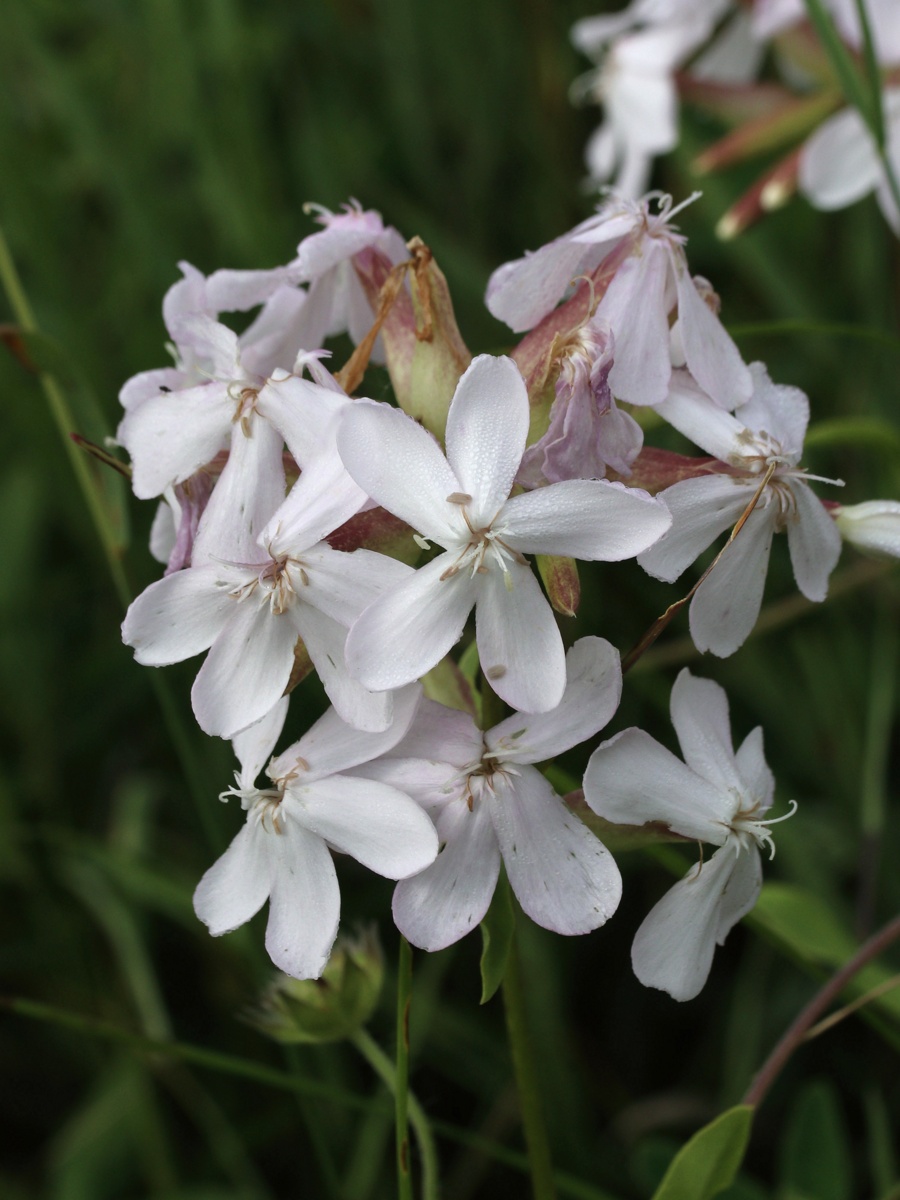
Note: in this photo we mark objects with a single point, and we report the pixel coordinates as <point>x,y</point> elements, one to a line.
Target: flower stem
<point>384,1069</point>
<point>401,1076</point>
<point>797,1031</point>
<point>520,1044</point>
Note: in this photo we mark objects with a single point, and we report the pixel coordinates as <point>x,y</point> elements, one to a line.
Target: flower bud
<point>873,526</point>
<point>331,1008</point>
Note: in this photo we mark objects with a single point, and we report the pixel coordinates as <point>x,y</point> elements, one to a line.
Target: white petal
<point>692,413</point>
<point>406,632</point>
<point>172,435</point>
<point>441,733</point>
<point>780,410</point>
<point>325,641</point>
<point>586,518</point>
<point>873,526</point>
<point>673,949</point>
<point>342,583</point>
<point>374,823</point>
<point>305,904</point>
<point>633,780</point>
<point>634,306</point>
<point>147,384</point>
<point>179,616</point>
<point>726,605</point>
<point>700,717</point>
<point>839,163</point>
<point>246,494</point>
<point>519,643</point>
<point>236,886</point>
<point>521,293</point>
<point>245,672</point>
<point>486,430</point>
<point>564,877</point>
<point>448,899</point>
<point>593,689</point>
<point>709,352</point>
<point>400,465</point>
<point>303,412</point>
<point>741,892</point>
<point>333,745</point>
<point>758,782</point>
<point>323,498</point>
<point>254,745</point>
<point>701,509</point>
<point>814,542</point>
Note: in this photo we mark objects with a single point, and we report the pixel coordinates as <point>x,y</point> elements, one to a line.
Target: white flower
<point>489,802</point>
<point>714,796</point>
<point>462,502</point>
<point>873,526</point>
<point>766,432</point>
<point>282,853</point>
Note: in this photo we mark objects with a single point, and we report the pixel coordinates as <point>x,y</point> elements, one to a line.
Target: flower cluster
<point>655,52</point>
<point>304,530</point>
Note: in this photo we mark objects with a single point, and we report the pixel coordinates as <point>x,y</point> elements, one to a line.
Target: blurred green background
<point>133,135</point>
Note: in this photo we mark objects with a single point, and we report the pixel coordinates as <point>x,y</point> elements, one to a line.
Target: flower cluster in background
<point>305,529</point>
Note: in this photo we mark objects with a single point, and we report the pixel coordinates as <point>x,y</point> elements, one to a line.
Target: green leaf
<point>861,431</point>
<point>497,934</point>
<point>709,1162</point>
<point>815,1161</point>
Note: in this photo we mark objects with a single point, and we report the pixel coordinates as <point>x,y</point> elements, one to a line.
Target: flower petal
<point>635,307</point>
<point>449,898</point>
<point>593,689</point>
<point>701,509</point>
<point>254,745</point>
<point>726,605</point>
<point>688,408</point>
<point>814,542</point>
<point>303,412</point>
<point>519,642</point>
<point>179,616</point>
<point>709,352</point>
<point>172,435</point>
<point>486,430</point>
<point>564,877</point>
<point>700,717</point>
<point>587,518</point>
<point>305,904</point>
<point>758,781</point>
<point>632,780</point>
<point>237,885</point>
<point>374,823</point>
<point>839,163</point>
<point>400,465</point>
<point>342,583</point>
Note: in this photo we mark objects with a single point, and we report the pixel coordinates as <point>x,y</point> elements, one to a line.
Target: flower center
<point>277,584</point>
<point>746,827</point>
<point>245,398</point>
<point>483,546</point>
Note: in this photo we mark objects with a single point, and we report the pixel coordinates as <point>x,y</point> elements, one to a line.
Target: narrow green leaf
<point>497,934</point>
<point>815,1159</point>
<point>709,1162</point>
<point>842,63</point>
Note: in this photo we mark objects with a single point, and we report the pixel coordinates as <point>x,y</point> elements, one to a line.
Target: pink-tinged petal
<point>374,823</point>
<point>325,642</point>
<point>593,689</point>
<point>441,734</point>
<point>700,717</point>
<point>249,490</point>
<point>429,782</point>
<point>216,342</point>
<point>757,780</point>
<point>321,500</point>
<point>236,887</point>
<point>333,745</point>
<point>228,290</point>
<point>521,293</point>
<point>303,412</point>
<point>673,949</point>
<point>814,542</point>
<point>286,325</point>
<point>633,780</point>
<point>635,307</point>
<point>564,877</point>
<point>400,465</point>
<point>179,616</point>
<point>254,745</point>
<point>783,412</point>
<point>587,518</point>
<point>839,163</point>
<point>405,632</point>
<point>171,436</point>
<point>345,234</point>
<point>701,509</point>
<point>449,898</point>
<point>163,531</point>
<point>519,643</point>
<point>342,583</point>
<point>692,413</point>
<point>246,671</point>
<point>726,605</point>
<point>486,430</point>
<point>709,352</point>
<point>305,904</point>
<point>148,384</point>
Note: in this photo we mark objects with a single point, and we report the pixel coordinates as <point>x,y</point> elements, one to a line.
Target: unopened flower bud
<point>327,1009</point>
<point>873,526</point>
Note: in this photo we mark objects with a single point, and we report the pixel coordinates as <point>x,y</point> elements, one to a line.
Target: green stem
<point>520,1045</point>
<point>384,1069</point>
<point>401,1089</point>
